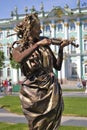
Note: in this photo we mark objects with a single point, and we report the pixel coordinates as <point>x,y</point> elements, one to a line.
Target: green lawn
<point>76,106</point>
<point>11,103</point>
<point>73,90</point>
<point>72,105</point>
<point>72,128</point>
<point>9,126</point>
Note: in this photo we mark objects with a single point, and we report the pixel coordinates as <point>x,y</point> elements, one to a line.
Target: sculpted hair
<point>24,28</point>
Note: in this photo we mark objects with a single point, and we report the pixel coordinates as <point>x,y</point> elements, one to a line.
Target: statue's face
<point>35,31</point>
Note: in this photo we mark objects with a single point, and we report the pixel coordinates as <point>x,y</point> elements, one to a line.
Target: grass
<point>11,103</point>
<point>73,90</point>
<point>75,106</point>
<point>72,128</point>
<point>9,126</point>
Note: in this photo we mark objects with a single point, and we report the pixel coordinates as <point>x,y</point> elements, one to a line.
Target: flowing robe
<point>41,95</point>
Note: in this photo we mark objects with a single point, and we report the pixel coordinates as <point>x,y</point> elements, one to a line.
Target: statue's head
<point>29,27</point>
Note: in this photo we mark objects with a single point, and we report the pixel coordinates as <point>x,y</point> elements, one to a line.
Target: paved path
<point>74,94</point>
<point>6,116</point>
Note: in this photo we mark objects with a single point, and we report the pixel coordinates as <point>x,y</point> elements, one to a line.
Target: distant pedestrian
<point>86,89</point>
<point>9,87</point>
<point>5,84</point>
<point>79,85</point>
<point>84,84</point>
<point>1,87</point>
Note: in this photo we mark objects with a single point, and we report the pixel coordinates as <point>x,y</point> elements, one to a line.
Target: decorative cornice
<point>8,45</point>
<point>72,21</point>
<point>84,20</point>
<point>53,26</point>
<point>66,24</point>
<point>1,45</point>
<point>42,27</point>
<point>72,38</point>
<point>47,22</point>
<point>59,21</point>
<point>78,23</point>
<point>85,37</point>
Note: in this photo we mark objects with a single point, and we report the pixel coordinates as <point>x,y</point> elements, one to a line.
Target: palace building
<point>63,23</point>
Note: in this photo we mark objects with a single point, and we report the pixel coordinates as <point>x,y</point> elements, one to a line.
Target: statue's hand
<point>44,42</point>
<point>65,43</point>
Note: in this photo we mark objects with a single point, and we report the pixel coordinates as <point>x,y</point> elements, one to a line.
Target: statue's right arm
<point>19,56</point>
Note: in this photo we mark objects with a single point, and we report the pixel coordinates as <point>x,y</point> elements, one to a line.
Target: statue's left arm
<point>57,62</point>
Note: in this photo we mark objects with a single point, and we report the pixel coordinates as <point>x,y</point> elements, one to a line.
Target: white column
<point>66,29</point>
<point>52,35</point>
<point>14,76</point>
<point>78,34</point>
<point>78,49</point>
<point>65,50</point>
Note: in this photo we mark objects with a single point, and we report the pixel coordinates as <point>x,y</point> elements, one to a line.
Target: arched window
<point>1,72</point>
<point>85,45</point>
<point>1,48</point>
<point>72,26</point>
<point>1,34</point>
<point>8,72</point>
<point>85,26</point>
<point>8,33</point>
<point>74,69</point>
<point>86,68</point>
<point>73,48</point>
<point>59,27</point>
<point>8,51</point>
<point>47,28</point>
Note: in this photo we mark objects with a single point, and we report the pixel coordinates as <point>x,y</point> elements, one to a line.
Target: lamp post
<point>26,9</point>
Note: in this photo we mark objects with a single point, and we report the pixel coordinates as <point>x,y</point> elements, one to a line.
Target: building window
<point>1,72</point>
<point>85,45</point>
<point>74,69</point>
<point>85,26</point>
<point>8,33</point>
<point>73,48</point>
<point>22,74</point>
<point>1,34</point>
<point>1,48</point>
<point>86,68</point>
<point>72,26</point>
<point>59,27</point>
<point>47,28</point>
<point>8,51</point>
<point>8,72</point>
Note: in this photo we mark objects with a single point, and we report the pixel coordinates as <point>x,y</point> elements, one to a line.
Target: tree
<point>2,58</point>
<point>14,65</point>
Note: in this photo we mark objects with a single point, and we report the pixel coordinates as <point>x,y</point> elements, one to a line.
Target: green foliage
<point>14,64</point>
<point>2,58</point>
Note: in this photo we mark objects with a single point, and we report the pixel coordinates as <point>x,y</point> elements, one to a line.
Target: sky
<point>6,6</point>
